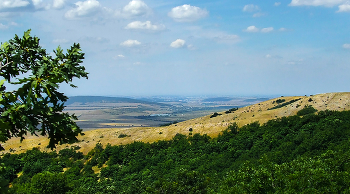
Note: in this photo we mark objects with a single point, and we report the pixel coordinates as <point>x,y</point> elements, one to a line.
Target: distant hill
<point>216,99</point>
<point>104,99</point>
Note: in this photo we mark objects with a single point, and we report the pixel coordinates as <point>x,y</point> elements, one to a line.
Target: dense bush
<point>283,104</point>
<point>215,115</point>
<point>308,154</point>
<point>306,110</point>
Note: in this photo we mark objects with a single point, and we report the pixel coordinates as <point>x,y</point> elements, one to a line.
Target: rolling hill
<point>211,125</point>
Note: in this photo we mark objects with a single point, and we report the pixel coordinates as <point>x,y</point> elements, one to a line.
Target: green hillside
<point>305,153</point>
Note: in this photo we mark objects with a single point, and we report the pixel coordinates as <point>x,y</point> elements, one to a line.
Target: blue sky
<point>193,47</point>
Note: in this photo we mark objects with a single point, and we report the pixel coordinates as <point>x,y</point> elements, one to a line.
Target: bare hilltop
<point>211,125</point>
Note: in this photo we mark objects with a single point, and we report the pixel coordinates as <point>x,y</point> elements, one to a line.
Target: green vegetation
<point>279,101</point>
<point>37,106</point>
<point>122,135</point>
<point>232,110</point>
<point>215,115</point>
<point>283,104</point>
<point>306,110</point>
<point>308,154</point>
<point>168,124</point>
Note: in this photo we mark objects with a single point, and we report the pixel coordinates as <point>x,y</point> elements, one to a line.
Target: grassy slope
<point>204,125</point>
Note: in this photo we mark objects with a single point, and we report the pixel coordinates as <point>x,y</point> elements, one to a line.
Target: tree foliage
<point>36,106</point>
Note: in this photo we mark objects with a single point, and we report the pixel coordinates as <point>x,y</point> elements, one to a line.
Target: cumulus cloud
<point>134,8</point>
<point>187,13</point>
<point>179,43</point>
<point>252,29</point>
<point>130,43</point>
<point>277,4</point>
<point>327,3</point>
<point>138,25</point>
<point>58,4</point>
<point>346,46</point>
<point>251,8</point>
<point>344,8</point>
<point>267,30</point>
<point>84,9</point>
<point>10,4</point>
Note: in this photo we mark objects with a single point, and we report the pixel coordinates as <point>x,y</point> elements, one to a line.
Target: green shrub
<point>214,115</point>
<point>122,135</point>
<point>306,110</point>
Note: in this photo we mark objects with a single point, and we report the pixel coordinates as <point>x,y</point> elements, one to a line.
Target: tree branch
<point>7,63</point>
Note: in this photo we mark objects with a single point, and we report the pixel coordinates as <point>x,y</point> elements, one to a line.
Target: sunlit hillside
<point>261,112</point>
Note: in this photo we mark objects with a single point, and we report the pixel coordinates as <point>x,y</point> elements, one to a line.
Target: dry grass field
<point>204,125</point>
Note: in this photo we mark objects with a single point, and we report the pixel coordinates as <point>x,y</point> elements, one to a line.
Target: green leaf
<point>27,34</point>
<point>2,82</point>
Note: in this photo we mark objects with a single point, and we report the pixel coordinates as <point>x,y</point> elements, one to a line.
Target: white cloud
<point>256,15</point>
<point>268,56</point>
<point>130,43</point>
<point>84,9</point>
<point>296,62</point>
<point>120,56</point>
<point>277,4</point>
<point>13,24</point>
<point>227,38</point>
<point>283,29</point>
<point>191,47</point>
<point>134,8</point>
<point>138,25</point>
<point>346,46</point>
<point>58,4</point>
<point>95,39</point>
<point>327,3</point>
<point>178,43</point>
<point>8,4</point>
<point>187,13</point>
<point>37,3</point>
<point>3,27</point>
<point>28,5</point>
<point>251,8</point>
<point>60,41</point>
<point>266,30</point>
<point>40,4</point>
<point>344,8</point>
<point>252,29</point>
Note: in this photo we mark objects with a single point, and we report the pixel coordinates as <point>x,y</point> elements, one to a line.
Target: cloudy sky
<point>194,47</point>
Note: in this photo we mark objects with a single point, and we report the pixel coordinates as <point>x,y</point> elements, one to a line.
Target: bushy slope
<point>261,112</point>
<point>296,154</point>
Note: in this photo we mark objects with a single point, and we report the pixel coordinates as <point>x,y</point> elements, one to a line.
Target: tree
<point>36,106</point>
